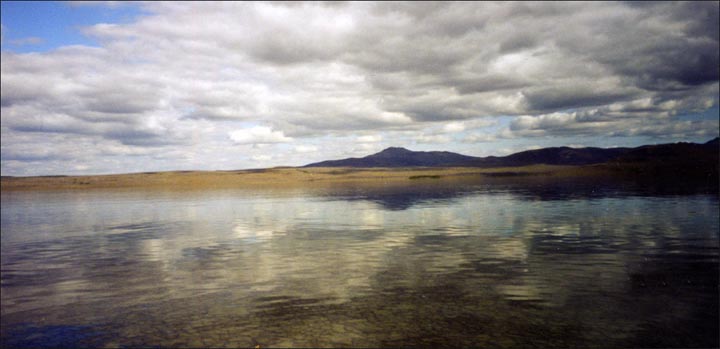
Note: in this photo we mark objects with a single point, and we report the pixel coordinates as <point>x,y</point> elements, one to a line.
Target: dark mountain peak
<point>395,150</point>
<point>715,141</point>
<point>401,157</point>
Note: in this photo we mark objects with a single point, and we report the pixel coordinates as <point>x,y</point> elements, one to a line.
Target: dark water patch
<point>397,199</point>
<point>210,253</point>
<point>54,336</point>
<point>337,232</point>
<point>534,188</point>
<point>544,243</point>
<point>146,227</point>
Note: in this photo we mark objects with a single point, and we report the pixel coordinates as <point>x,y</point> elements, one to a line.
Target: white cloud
<point>261,157</point>
<point>454,127</point>
<point>479,138</point>
<point>306,148</point>
<point>312,72</point>
<point>369,139</point>
<point>258,135</point>
<point>432,139</point>
<point>653,122</point>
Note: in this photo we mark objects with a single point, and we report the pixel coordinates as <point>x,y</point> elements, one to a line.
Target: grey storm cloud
<point>188,73</point>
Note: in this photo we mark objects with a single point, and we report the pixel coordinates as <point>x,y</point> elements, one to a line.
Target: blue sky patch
<point>38,26</point>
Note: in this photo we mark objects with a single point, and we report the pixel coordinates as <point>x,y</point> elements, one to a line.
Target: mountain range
<point>673,153</point>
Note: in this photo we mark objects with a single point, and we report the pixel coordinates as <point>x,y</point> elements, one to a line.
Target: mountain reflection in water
<point>500,263</point>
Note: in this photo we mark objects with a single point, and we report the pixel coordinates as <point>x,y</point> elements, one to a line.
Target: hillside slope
<point>680,153</point>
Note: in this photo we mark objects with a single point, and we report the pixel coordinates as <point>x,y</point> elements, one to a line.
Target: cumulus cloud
<point>369,139</point>
<point>261,158</point>
<point>479,138</point>
<point>592,123</point>
<point>258,135</point>
<point>454,127</point>
<point>441,71</point>
<point>306,148</point>
<point>432,139</point>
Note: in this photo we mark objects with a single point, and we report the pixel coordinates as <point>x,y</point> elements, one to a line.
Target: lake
<point>527,264</point>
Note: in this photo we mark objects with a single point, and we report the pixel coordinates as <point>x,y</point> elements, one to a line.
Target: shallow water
<point>482,265</point>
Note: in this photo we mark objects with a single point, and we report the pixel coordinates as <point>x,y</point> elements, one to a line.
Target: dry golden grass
<point>288,177</point>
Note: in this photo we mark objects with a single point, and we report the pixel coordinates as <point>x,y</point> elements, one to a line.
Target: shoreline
<point>293,177</point>
<point>287,177</point>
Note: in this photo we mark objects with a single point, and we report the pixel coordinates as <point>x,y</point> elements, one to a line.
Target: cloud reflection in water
<point>496,266</point>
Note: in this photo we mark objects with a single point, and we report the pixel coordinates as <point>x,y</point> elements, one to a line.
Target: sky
<point>116,87</point>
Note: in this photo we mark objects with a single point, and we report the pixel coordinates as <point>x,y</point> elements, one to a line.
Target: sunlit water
<point>479,266</point>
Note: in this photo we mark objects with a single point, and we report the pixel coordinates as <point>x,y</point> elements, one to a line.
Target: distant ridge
<point>401,157</point>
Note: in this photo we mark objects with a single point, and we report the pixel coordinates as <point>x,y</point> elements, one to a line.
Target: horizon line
<point>301,166</point>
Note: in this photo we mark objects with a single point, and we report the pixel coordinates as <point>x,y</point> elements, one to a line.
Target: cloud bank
<point>224,85</point>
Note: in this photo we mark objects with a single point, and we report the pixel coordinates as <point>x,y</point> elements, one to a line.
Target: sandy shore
<point>288,177</point>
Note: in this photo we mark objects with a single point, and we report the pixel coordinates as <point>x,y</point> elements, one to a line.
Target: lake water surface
<point>531,265</point>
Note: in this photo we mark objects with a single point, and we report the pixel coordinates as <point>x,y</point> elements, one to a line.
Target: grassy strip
<point>299,177</point>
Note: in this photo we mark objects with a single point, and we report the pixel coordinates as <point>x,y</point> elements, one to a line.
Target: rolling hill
<point>674,153</point>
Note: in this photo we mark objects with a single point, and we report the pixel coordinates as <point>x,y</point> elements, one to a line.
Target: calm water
<point>545,265</point>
